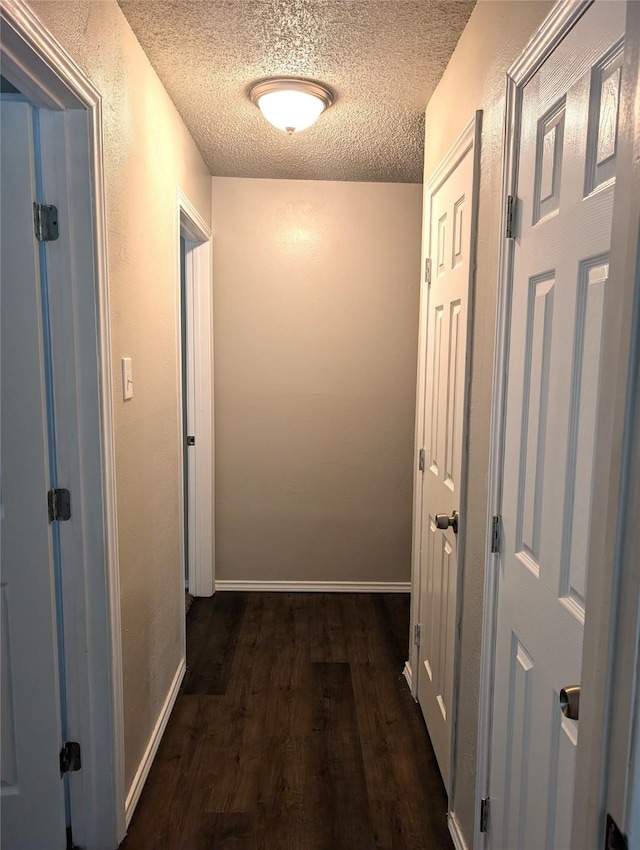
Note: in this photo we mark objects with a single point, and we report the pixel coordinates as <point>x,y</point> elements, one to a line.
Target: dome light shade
<point>291,104</point>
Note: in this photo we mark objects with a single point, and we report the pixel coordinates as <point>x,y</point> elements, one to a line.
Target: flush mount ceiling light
<point>291,104</point>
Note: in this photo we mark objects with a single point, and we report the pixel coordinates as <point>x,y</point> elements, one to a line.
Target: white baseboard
<point>456,832</point>
<point>408,676</point>
<point>152,747</point>
<point>316,586</point>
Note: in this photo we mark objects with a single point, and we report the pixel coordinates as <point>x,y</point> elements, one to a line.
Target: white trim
<point>560,21</point>
<point>468,140</point>
<point>315,586</point>
<point>35,61</point>
<point>455,830</point>
<point>194,226</point>
<point>199,322</point>
<point>458,150</point>
<point>408,675</point>
<point>154,742</point>
<point>37,64</point>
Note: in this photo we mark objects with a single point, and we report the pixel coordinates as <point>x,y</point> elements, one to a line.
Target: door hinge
<point>421,460</point>
<point>495,534</point>
<point>427,271</point>
<point>45,219</point>
<point>59,502</point>
<point>614,838</point>
<point>416,634</point>
<point>70,757</point>
<point>510,223</point>
<point>484,814</point>
<point>191,441</point>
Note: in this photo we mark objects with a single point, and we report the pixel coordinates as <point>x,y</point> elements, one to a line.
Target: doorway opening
<point>186,437</point>
<point>196,399</point>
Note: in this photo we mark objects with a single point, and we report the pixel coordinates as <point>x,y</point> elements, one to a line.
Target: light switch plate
<point>127,379</point>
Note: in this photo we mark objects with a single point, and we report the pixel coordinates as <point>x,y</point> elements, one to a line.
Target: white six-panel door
<point>32,792</point>
<point>450,215</point>
<point>565,186</point>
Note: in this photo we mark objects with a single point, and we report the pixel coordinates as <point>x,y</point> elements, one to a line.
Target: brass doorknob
<point>444,521</point>
<point>570,701</point>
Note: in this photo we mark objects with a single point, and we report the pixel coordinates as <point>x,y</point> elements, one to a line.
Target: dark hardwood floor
<point>294,730</point>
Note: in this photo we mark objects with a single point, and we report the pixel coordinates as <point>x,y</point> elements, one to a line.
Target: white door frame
<point>469,140</point>
<point>199,350</point>
<point>71,124</point>
<point>591,758</point>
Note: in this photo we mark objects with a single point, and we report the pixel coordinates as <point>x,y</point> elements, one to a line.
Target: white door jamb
<point>71,109</point>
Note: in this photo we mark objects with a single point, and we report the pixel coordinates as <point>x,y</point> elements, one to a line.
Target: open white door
<point>32,793</point>
<point>450,212</point>
<point>566,145</point>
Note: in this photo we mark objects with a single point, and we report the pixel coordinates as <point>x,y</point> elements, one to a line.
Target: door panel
<point>32,791</point>
<point>564,210</point>
<point>444,398</point>
<point>593,277</point>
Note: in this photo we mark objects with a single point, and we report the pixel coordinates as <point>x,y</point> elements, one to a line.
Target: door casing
<point>591,780</point>
<point>71,127</point>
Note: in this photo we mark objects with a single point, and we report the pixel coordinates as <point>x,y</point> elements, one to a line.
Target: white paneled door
<point>32,791</point>
<point>565,186</point>
<point>450,215</point>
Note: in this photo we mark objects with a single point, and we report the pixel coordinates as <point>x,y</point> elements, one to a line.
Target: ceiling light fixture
<point>289,103</point>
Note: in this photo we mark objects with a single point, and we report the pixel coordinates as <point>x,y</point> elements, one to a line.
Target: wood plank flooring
<point>294,730</point>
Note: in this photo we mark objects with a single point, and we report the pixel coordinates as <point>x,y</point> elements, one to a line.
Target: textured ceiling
<point>381,58</point>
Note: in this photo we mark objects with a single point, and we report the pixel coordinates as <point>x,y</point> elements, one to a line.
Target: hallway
<point>294,728</point>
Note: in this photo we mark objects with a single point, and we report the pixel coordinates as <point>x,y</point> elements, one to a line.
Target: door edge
<point>556,26</point>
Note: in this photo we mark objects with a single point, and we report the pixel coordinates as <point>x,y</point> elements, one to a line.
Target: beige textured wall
<point>315,316</point>
<point>148,154</point>
<point>476,79</point>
